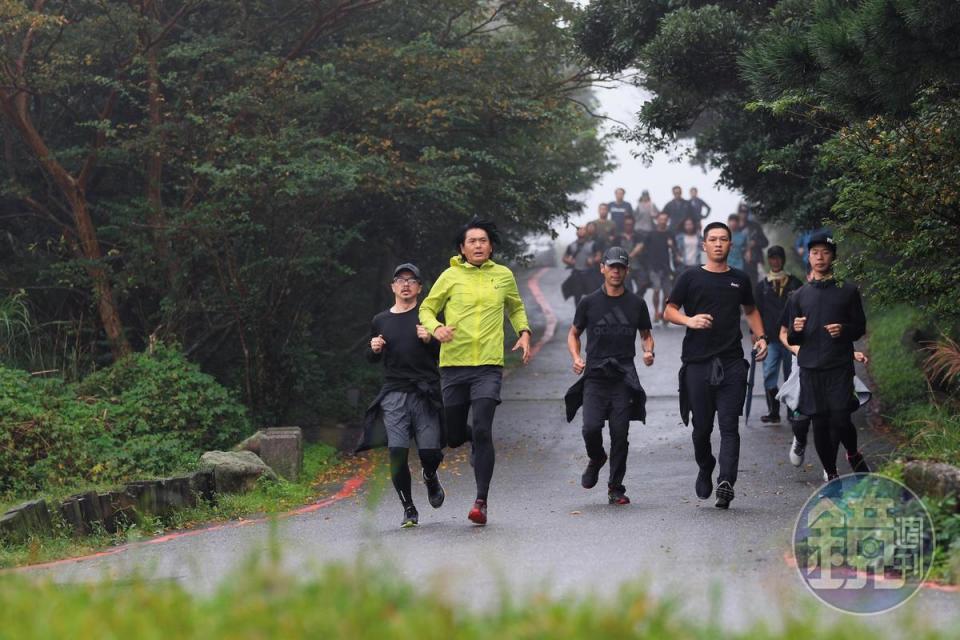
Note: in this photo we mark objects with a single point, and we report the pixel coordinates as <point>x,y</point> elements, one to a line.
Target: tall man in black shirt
<point>409,401</point>
<point>713,377</point>
<point>824,318</point>
<point>609,389</point>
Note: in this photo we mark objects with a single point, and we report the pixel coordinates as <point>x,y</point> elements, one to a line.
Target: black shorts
<point>827,390</point>
<point>463,385</point>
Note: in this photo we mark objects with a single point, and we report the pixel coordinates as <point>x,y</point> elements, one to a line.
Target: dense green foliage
<point>252,171</point>
<point>148,414</point>
<point>357,603</point>
<point>836,112</point>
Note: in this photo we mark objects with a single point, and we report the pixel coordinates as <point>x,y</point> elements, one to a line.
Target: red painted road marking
<point>791,561</point>
<point>348,489</point>
<point>534,284</point>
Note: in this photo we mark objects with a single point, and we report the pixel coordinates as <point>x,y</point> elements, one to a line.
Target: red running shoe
<point>478,514</point>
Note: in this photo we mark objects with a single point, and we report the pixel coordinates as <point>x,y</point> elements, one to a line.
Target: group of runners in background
<point>439,371</point>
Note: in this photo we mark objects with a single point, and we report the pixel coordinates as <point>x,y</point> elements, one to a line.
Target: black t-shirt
<point>721,295</point>
<point>656,250</point>
<point>405,357</point>
<point>611,325</point>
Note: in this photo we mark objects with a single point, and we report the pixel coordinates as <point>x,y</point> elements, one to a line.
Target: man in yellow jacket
<point>472,295</point>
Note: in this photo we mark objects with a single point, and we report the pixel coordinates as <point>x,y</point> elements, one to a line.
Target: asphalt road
<point>546,533</point>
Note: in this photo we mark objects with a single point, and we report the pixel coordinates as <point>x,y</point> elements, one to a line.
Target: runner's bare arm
<point>792,348</point>
<point>646,340</point>
<point>573,346</point>
<point>673,314</point>
<point>756,327</point>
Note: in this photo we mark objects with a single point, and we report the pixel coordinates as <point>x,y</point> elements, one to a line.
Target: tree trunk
<point>75,193</point>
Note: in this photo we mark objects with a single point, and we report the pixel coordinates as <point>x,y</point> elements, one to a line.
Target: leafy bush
<point>146,414</point>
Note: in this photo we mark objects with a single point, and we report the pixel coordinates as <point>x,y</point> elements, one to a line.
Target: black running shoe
<point>435,492</point>
<point>618,496</point>
<point>857,463</point>
<point>410,517</point>
<point>724,495</point>
<point>704,486</point>
<point>592,473</point>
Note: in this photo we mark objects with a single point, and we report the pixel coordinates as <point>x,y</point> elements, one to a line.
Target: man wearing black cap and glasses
<point>610,389</point>
<point>409,401</point>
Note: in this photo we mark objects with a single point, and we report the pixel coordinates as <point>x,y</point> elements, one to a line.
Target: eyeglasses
<point>403,281</point>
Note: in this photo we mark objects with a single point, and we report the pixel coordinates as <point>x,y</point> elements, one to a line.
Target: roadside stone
<point>73,516</point>
<point>90,509</point>
<point>934,479</point>
<point>24,520</point>
<point>281,448</point>
<point>235,471</point>
<point>118,509</point>
<point>204,485</point>
<point>146,496</point>
<point>251,444</point>
<point>177,493</point>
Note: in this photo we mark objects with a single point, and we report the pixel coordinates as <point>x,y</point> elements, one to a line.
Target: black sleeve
<point>857,326</point>
<point>374,332</point>
<point>580,315</point>
<point>643,321</point>
<point>678,295</point>
<point>785,319</point>
<point>746,292</point>
<point>758,294</point>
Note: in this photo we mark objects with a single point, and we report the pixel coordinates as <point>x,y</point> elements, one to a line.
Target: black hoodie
<point>825,302</point>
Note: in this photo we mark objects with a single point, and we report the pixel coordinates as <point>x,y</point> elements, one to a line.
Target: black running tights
<point>829,431</point>
<point>400,471</point>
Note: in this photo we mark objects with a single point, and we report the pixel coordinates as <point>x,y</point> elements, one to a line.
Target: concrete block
<point>282,449</point>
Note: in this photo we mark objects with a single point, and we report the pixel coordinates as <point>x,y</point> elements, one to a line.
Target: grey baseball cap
<point>408,266</point>
<point>616,255</point>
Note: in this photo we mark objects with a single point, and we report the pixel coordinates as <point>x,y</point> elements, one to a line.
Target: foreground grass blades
<point>363,602</point>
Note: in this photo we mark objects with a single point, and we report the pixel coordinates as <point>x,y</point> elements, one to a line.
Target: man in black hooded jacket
<point>824,318</point>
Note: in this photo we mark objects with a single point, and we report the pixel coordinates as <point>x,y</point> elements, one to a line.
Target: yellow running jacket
<point>473,300</point>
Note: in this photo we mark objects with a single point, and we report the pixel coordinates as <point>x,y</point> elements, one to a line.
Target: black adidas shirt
<point>721,295</point>
<point>611,324</point>
<point>406,357</point>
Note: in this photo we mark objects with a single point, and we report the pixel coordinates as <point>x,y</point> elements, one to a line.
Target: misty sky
<point>622,104</point>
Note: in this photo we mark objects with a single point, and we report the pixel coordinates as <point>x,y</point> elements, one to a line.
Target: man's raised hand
<point>444,334</point>
<point>377,343</point>
<point>700,321</point>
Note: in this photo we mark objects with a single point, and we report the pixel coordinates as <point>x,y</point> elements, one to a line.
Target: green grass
<point>362,602</point>
<point>319,466</point>
<point>926,430</point>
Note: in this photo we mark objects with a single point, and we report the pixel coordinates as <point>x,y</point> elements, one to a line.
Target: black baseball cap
<point>407,266</point>
<point>616,255</point>
<point>824,238</point>
<point>776,251</point>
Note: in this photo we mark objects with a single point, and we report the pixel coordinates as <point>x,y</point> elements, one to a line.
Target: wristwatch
<point>763,337</point>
